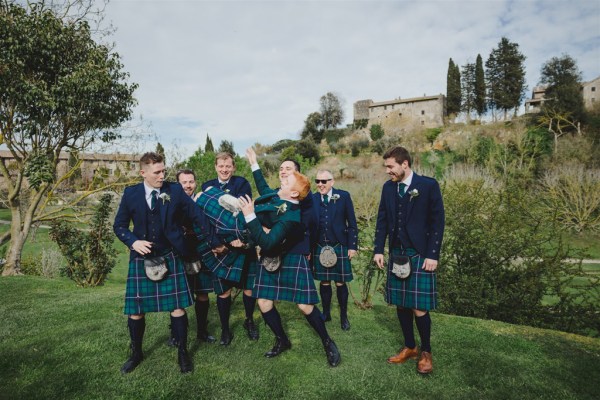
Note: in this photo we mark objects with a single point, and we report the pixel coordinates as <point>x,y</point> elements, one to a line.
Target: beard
<point>399,177</point>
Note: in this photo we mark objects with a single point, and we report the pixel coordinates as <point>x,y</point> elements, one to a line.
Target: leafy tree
<point>453,89</point>
<point>505,72</point>
<point>331,111</point>
<point>227,146</point>
<point>160,150</point>
<point>480,100</point>
<point>308,150</point>
<point>59,90</point>
<point>376,132</point>
<point>313,127</point>
<point>208,146</point>
<point>468,89</point>
<point>563,92</point>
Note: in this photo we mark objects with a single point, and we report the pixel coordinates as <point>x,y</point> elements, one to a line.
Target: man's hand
<point>378,258</point>
<point>430,265</point>
<point>237,243</point>
<point>142,247</point>
<point>351,253</point>
<point>246,204</point>
<point>219,250</point>
<point>251,155</point>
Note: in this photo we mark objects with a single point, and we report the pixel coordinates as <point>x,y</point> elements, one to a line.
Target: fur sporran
<point>401,267</point>
<point>327,257</point>
<point>271,264</point>
<point>156,268</point>
<point>192,267</point>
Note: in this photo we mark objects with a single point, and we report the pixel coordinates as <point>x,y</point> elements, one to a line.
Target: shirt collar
<point>148,190</point>
<point>408,180</point>
<point>329,194</point>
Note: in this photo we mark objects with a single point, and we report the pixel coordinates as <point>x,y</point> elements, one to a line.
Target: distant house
<point>401,114</point>
<point>589,91</point>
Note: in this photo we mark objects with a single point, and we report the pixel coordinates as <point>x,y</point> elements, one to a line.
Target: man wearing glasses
<point>337,242</point>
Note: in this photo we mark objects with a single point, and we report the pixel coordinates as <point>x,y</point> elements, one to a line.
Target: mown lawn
<point>59,341</point>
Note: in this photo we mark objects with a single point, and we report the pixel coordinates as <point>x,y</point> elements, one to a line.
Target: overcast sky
<point>251,71</point>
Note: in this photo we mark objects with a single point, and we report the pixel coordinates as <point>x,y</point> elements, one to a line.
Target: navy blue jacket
<point>425,216</point>
<point>342,220</point>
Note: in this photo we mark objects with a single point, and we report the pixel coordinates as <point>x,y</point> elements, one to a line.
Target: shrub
<point>376,132</point>
<point>432,133</point>
<point>50,263</point>
<point>357,145</point>
<point>90,255</point>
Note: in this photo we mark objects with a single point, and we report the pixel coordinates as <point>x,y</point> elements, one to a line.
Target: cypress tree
<point>453,90</point>
<point>480,101</point>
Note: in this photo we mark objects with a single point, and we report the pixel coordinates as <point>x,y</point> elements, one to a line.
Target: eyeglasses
<point>323,181</point>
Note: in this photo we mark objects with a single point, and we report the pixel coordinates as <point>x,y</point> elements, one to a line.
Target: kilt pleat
<point>143,295</point>
<point>245,280</point>
<point>292,282</point>
<point>418,291</point>
<point>341,272</point>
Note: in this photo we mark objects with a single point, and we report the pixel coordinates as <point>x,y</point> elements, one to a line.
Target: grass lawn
<point>59,341</point>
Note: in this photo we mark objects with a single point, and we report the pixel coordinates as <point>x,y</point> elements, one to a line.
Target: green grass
<point>59,341</point>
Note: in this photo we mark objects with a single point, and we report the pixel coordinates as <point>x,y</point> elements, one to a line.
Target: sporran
<point>327,257</point>
<point>401,267</point>
<point>192,267</point>
<point>156,268</point>
<point>271,264</point>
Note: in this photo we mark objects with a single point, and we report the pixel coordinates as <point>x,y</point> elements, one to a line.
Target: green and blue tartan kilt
<point>246,280</point>
<point>224,221</point>
<point>418,291</point>
<point>341,272</point>
<point>143,295</point>
<point>202,282</point>
<point>292,282</point>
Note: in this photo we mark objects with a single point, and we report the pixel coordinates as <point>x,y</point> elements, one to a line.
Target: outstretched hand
<point>251,155</point>
<point>246,204</point>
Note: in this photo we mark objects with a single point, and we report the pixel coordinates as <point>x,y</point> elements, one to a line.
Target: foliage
<point>313,127</point>
<point>208,146</point>
<point>505,73</point>
<point>360,123</point>
<point>357,145</point>
<point>331,110</point>
<point>308,150</point>
<point>573,193</point>
<point>431,134</point>
<point>59,90</point>
<point>480,100</point>
<point>226,146</point>
<point>160,150</point>
<point>382,145</point>
<point>503,255</point>
<point>90,255</point>
<point>282,144</point>
<point>376,132</point>
<point>468,89</point>
<point>334,135</point>
<point>453,89</point>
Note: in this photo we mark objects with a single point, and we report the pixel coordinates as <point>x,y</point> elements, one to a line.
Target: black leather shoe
<point>133,361</point>
<point>345,324</point>
<point>251,329</point>
<point>226,338</point>
<point>185,363</point>
<point>205,337</point>
<point>333,354</point>
<point>279,347</point>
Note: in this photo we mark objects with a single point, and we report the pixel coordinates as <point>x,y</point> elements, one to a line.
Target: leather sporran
<point>156,268</point>
<point>192,267</point>
<point>401,267</point>
<point>271,264</point>
<point>327,257</point>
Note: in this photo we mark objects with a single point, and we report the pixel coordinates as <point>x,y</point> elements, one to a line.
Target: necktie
<point>401,189</point>
<point>325,199</point>
<point>223,185</point>
<point>154,195</point>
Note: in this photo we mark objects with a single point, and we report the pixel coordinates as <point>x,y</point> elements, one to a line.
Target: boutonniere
<point>335,197</point>
<point>164,197</point>
<point>281,208</point>
<point>413,193</point>
<point>226,190</point>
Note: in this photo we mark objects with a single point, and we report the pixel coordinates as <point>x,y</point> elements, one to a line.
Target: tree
<point>208,146</point>
<point>160,150</point>
<point>227,147</point>
<point>505,71</point>
<point>480,101</point>
<point>59,90</point>
<point>453,89</point>
<point>376,132</point>
<point>313,127</point>
<point>331,111</point>
<point>468,89</point>
<point>563,91</point>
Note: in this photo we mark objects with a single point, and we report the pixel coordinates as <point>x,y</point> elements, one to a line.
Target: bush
<point>376,132</point>
<point>382,145</point>
<point>357,145</point>
<point>432,133</point>
<point>50,263</point>
<point>90,255</point>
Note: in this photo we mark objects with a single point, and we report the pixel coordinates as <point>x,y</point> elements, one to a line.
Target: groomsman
<point>337,242</point>
<point>411,215</point>
<point>241,272</point>
<point>156,278</point>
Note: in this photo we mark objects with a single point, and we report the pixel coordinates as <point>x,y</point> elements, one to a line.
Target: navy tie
<point>154,195</point>
<point>401,189</point>
<point>325,199</point>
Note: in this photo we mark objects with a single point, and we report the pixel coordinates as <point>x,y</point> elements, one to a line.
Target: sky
<point>252,71</point>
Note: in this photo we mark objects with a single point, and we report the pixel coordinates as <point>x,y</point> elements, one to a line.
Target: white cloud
<point>252,71</point>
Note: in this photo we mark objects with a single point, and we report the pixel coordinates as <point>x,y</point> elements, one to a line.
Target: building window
<point>593,88</point>
<point>422,122</point>
<point>384,108</point>
<point>399,114</point>
<point>422,112</point>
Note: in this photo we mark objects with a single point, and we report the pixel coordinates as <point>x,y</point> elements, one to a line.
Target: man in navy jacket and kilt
<point>337,238</point>
<point>273,222</point>
<point>411,215</point>
<point>158,210</point>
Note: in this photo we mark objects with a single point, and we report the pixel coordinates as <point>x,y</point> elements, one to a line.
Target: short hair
<point>302,185</point>
<point>185,171</point>
<point>399,153</point>
<point>325,171</point>
<point>296,163</point>
<point>150,158</point>
<point>224,155</point>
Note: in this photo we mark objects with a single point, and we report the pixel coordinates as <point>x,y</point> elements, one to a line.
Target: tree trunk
<point>13,253</point>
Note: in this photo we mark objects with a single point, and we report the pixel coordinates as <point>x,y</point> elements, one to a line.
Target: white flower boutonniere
<point>413,193</point>
<point>335,197</point>
<point>164,197</point>
<point>281,208</point>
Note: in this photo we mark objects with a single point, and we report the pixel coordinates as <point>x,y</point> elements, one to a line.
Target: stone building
<point>398,115</point>
<point>589,91</point>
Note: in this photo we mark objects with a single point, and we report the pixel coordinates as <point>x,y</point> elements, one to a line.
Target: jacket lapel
<point>332,206</point>
<point>413,184</point>
<point>163,204</point>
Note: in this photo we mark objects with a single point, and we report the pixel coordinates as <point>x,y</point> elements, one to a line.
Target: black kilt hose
<point>341,272</point>
<point>418,291</point>
<point>143,295</point>
<point>292,282</point>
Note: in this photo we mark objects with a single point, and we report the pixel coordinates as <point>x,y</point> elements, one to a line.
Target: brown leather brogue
<point>425,365</point>
<point>404,355</point>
